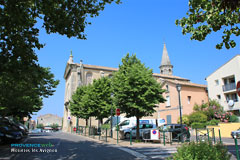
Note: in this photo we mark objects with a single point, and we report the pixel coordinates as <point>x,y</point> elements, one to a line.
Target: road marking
<point>160,156</point>
<point>134,153</point>
<point>161,152</point>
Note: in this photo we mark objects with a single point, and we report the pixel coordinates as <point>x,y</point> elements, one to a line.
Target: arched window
<point>89,78</point>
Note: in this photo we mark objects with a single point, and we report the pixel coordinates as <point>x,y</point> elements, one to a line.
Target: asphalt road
<point>61,146</point>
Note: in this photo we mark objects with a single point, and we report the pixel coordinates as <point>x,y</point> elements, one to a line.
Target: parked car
<point>37,130</point>
<point>142,128</point>
<point>8,131</point>
<point>235,134</point>
<point>178,131</point>
<point>16,124</point>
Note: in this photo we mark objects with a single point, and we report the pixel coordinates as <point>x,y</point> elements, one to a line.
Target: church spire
<point>165,67</point>
<point>70,60</point>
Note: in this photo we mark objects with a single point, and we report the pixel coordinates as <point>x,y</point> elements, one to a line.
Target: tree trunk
<point>86,122</point>
<point>137,137</point>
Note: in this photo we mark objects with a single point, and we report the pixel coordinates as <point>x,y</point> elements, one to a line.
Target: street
<point>65,146</point>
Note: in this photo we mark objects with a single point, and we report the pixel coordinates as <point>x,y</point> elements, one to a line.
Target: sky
<point>138,27</point>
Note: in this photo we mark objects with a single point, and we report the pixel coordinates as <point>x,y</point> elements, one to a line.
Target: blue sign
<point>154,131</point>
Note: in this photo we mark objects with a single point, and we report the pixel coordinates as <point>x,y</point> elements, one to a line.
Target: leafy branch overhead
<point>207,16</point>
<point>23,82</point>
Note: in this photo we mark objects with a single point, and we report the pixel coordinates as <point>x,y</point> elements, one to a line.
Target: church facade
<point>78,74</point>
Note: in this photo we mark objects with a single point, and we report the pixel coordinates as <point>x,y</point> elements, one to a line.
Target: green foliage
<point>100,95</point>
<point>80,103</point>
<point>205,17</point>
<point>197,117</point>
<point>233,118</point>
<point>201,151</point>
<point>185,120</point>
<point>198,125</point>
<point>41,126</point>
<point>23,82</point>
<point>136,92</point>
<point>54,126</point>
<point>27,90</point>
<point>105,126</point>
<point>213,122</point>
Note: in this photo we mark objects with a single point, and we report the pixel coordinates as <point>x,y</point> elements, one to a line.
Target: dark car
<point>9,131</point>
<point>178,131</point>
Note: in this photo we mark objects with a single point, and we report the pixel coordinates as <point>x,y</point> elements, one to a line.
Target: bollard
<point>164,138</point>
<point>220,138</point>
<point>208,135</point>
<point>237,152</point>
<point>106,134</point>
<point>131,137</point>
<point>214,136</point>
<point>89,131</point>
<point>85,131</point>
<point>196,135</point>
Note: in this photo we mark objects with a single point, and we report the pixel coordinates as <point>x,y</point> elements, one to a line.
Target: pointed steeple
<point>70,60</point>
<point>165,67</point>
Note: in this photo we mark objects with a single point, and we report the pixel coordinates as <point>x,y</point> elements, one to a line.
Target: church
<point>78,74</point>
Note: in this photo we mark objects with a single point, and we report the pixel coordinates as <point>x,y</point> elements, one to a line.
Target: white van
<point>132,121</point>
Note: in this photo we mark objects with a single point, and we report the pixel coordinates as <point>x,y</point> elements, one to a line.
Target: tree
<point>22,98</point>
<point>136,92</point>
<point>101,98</point>
<point>79,105</point>
<point>41,126</point>
<point>54,126</point>
<point>19,40</point>
<point>207,16</point>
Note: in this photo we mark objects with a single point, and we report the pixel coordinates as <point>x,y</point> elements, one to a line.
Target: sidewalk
<point>126,143</point>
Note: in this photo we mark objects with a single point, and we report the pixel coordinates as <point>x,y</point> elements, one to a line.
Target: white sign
<point>154,134</point>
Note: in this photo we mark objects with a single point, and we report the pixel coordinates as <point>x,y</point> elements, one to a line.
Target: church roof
<point>165,57</point>
<point>165,76</point>
<point>186,83</point>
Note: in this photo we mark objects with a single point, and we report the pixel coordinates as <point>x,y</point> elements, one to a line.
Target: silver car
<point>235,134</point>
<point>142,128</point>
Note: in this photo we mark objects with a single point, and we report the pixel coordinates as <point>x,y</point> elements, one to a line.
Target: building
<point>78,74</point>
<point>49,119</point>
<point>222,85</point>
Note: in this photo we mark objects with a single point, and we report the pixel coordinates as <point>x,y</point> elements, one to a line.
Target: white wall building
<point>222,85</point>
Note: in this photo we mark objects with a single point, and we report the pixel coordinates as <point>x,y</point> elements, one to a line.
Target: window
<point>232,97</point>
<point>89,78</point>
<point>219,97</point>
<point>217,82</point>
<point>167,88</point>
<point>168,101</point>
<point>189,99</point>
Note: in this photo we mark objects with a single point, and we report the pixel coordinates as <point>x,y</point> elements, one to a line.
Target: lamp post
<point>178,86</point>
<point>111,115</point>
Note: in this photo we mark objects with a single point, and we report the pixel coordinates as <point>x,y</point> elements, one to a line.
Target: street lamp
<point>111,114</point>
<point>178,86</point>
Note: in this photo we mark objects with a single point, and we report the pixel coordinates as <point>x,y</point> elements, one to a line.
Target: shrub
<point>201,151</point>
<point>185,120</point>
<point>213,122</point>
<point>198,125</point>
<point>106,126</point>
<point>233,118</point>
<point>197,117</point>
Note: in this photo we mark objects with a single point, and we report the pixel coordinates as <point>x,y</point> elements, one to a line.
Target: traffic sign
<point>238,88</point>
<point>118,112</point>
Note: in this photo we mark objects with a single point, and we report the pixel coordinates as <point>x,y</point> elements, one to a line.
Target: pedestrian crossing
<point>156,153</point>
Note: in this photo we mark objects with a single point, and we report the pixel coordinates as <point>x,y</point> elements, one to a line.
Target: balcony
<point>229,87</point>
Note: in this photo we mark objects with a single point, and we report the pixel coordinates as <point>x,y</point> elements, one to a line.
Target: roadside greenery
<point>136,92</point>
<point>41,126</point>
<point>202,150</point>
<point>207,16</point>
<point>210,113</point>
